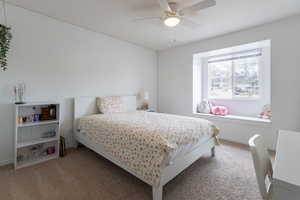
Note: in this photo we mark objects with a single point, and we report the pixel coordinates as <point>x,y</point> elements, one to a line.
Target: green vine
<point>5,38</point>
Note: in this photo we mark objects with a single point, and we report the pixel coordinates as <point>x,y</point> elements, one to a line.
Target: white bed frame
<point>84,106</point>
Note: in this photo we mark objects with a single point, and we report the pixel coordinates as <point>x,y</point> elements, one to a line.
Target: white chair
<point>262,165</point>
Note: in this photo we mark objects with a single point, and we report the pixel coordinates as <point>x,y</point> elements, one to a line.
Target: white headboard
<point>84,106</point>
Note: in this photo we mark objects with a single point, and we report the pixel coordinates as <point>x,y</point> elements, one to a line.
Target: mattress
<point>146,142</point>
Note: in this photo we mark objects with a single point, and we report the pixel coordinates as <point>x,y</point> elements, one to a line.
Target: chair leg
<point>157,192</point>
<point>213,152</point>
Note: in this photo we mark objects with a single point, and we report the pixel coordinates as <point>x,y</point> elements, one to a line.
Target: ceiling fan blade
<point>188,3</point>
<point>190,23</point>
<point>164,5</point>
<point>198,6</point>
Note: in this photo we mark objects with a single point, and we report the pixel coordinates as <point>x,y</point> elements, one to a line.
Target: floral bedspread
<point>143,140</point>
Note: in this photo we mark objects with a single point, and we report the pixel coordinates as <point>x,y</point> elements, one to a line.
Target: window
<point>234,76</point>
<point>237,77</point>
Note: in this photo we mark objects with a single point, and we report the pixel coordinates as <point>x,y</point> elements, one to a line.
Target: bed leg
<point>157,192</point>
<point>213,152</point>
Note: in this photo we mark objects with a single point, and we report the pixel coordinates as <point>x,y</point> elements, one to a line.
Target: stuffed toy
<point>266,112</point>
<point>204,107</point>
<point>219,110</point>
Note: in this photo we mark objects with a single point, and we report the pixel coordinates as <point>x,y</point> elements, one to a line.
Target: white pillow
<point>109,104</point>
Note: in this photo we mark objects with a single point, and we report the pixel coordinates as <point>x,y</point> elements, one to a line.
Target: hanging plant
<point>5,38</point>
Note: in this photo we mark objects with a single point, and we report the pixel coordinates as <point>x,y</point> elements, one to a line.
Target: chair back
<point>262,164</point>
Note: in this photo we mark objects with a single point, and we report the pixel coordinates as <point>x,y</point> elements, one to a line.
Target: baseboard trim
<point>5,162</point>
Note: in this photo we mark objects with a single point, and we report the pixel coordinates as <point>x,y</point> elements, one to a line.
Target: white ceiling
<point>115,18</point>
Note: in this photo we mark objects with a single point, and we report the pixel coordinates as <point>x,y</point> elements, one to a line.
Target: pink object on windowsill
<point>219,110</point>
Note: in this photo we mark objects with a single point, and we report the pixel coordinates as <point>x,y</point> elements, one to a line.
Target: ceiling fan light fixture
<point>172,21</point>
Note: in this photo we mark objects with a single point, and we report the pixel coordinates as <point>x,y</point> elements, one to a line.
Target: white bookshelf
<point>36,139</point>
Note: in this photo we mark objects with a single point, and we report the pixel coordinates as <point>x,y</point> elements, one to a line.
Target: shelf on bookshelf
<point>26,124</point>
<point>38,141</point>
<point>37,104</point>
<point>36,161</point>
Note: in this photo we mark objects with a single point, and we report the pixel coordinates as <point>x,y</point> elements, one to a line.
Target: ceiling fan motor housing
<point>173,6</point>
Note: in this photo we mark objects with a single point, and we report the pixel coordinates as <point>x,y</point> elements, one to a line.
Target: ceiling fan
<point>175,12</point>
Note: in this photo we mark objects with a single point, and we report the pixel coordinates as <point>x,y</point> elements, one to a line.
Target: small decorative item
<point>19,92</point>
<point>204,107</point>
<point>219,110</point>
<point>35,151</point>
<point>266,112</point>
<point>145,106</point>
<point>48,113</point>
<point>51,150</point>
<point>5,38</point>
<point>45,114</point>
<point>49,134</point>
<point>144,96</point>
<point>29,118</point>
<point>52,112</point>
<point>20,120</point>
<point>24,119</point>
<point>36,117</point>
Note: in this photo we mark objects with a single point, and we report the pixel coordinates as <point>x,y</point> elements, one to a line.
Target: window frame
<point>233,97</point>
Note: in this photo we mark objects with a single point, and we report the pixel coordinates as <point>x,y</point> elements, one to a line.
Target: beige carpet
<point>83,175</point>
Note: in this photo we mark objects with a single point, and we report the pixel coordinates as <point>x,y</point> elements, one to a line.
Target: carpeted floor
<point>84,175</point>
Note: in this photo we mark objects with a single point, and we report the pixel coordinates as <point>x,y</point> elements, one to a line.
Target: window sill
<point>236,118</point>
<point>235,99</point>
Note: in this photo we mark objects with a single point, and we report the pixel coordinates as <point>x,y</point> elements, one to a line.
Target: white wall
<point>175,80</point>
<point>59,61</point>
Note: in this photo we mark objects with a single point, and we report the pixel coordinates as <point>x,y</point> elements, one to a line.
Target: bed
<point>154,147</point>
